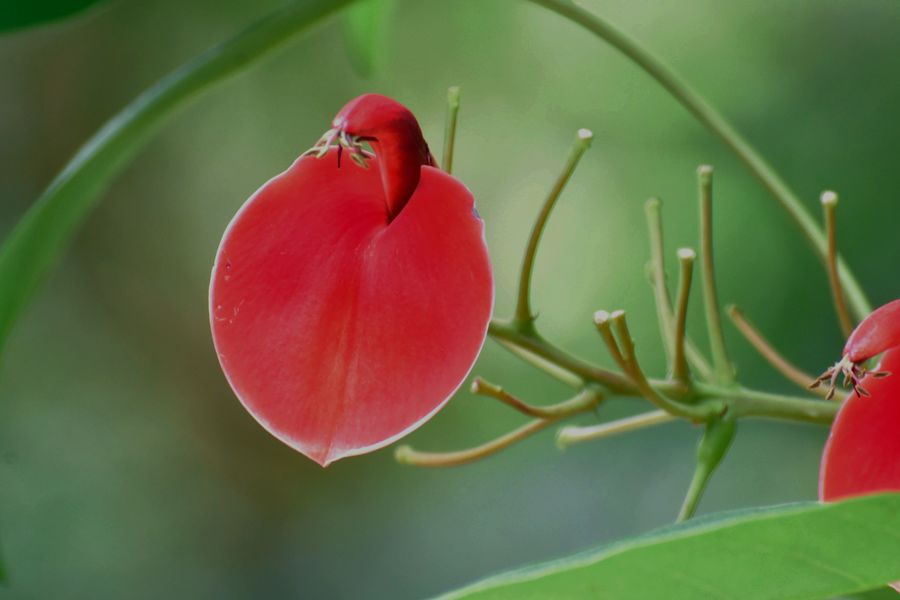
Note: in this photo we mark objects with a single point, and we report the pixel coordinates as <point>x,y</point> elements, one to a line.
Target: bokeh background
<point>128,468</point>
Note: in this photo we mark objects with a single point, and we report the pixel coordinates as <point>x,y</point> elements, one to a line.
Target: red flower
<point>862,455</point>
<point>348,304</point>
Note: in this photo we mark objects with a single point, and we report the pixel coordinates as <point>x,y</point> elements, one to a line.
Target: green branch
<point>717,124</point>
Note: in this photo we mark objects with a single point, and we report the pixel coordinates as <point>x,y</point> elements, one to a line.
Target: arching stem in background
<point>450,128</point>
<point>717,124</point>
<point>524,317</point>
<point>829,207</point>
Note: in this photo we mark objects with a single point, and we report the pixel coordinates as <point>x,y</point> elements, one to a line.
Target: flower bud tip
<point>600,317</point>
<point>829,198</point>
<point>686,254</point>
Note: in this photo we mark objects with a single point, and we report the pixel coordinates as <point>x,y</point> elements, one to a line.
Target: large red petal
<point>862,455</point>
<point>341,332</point>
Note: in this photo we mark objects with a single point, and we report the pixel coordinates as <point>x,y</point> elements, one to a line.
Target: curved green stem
<point>552,411</point>
<point>717,124</point>
<point>574,435</point>
<point>40,237</point>
<point>523,315</point>
<point>771,355</point>
<point>581,402</point>
<point>407,455</point>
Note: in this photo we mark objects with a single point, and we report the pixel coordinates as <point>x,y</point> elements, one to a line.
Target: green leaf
<point>798,551</point>
<point>38,240</point>
<point>365,27</point>
<point>16,14</point>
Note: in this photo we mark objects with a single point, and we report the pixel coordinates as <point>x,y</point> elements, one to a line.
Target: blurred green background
<point>127,467</point>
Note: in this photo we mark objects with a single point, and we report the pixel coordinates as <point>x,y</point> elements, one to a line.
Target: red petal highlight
<point>875,334</point>
<point>339,331</point>
<point>862,455</point>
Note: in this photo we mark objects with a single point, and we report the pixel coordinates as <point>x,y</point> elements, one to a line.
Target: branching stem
<point>624,354</point>
<point>743,401</point>
<point>716,123</point>
<point>585,400</point>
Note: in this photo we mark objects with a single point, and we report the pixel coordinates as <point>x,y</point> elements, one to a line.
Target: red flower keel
<point>342,321</point>
<point>877,333</point>
<point>862,455</point>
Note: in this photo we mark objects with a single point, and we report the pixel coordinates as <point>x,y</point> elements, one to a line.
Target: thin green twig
<point>756,339</point>
<point>450,128</point>
<point>574,434</point>
<point>680,370</point>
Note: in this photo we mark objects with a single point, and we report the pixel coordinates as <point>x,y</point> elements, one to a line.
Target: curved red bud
<point>863,451</point>
<point>875,334</point>
<point>394,134</point>
<point>340,328</point>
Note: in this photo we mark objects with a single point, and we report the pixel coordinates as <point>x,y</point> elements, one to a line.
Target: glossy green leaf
<point>37,241</point>
<point>798,551</point>
<point>365,27</point>
<point>17,14</point>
